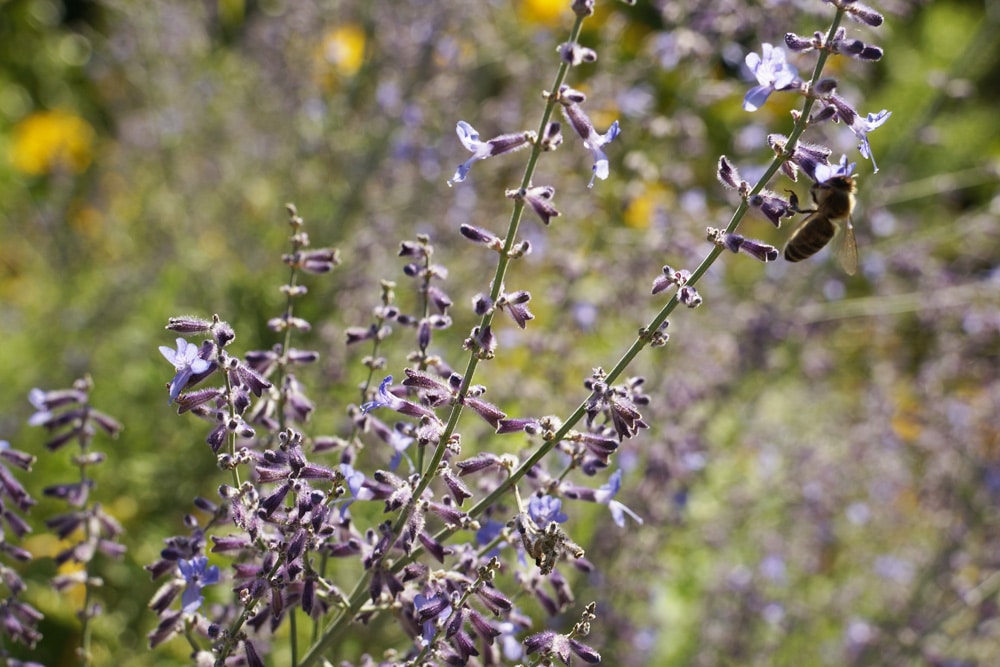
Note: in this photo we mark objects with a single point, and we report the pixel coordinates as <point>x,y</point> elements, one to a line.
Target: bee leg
<point>793,203</point>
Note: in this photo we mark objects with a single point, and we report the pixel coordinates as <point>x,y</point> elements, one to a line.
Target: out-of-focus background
<point>821,481</point>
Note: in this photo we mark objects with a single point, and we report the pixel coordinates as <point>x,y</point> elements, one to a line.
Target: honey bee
<point>833,203</point>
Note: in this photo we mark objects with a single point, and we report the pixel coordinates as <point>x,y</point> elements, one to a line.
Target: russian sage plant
<point>466,529</point>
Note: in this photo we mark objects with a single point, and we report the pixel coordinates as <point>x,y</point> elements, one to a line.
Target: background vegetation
<point>821,479</point>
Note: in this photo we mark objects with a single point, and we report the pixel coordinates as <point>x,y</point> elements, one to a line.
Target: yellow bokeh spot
<point>644,206</point>
<point>545,12</point>
<point>86,220</point>
<point>340,54</point>
<point>48,141</point>
<point>906,427</point>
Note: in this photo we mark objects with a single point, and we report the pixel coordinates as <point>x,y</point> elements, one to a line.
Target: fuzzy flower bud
<point>773,207</point>
<point>552,137</point>
<point>481,236</point>
<point>539,198</point>
<point>736,243</point>
<point>728,175</point>
<point>574,54</point>
<point>689,296</point>
<point>863,14</point>
<point>798,43</point>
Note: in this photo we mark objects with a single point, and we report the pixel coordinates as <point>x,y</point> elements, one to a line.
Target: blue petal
<point>191,599</point>
<point>462,171</point>
<point>756,97</point>
<point>468,136</point>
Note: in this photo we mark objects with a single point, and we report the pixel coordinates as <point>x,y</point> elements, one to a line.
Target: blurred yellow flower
<point>340,54</point>
<point>546,12</point>
<point>48,141</point>
<point>645,205</point>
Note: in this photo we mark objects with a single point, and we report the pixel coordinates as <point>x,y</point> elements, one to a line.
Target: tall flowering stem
<point>69,417</point>
<point>360,592</point>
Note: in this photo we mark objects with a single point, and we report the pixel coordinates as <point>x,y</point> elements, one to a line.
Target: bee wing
<point>848,251</point>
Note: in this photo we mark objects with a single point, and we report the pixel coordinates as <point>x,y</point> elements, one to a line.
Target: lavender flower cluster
<point>465,533</point>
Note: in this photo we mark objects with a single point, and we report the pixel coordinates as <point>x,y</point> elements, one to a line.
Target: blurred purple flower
<point>197,574</point>
<point>187,363</point>
<point>489,531</point>
<point>605,495</point>
<point>355,481</point>
<point>772,72</point>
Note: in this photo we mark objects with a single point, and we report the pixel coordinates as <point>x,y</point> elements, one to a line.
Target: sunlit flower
<point>505,143</point>
<point>772,72</point>
<point>584,127</point>
<point>825,172</point>
<point>187,363</point>
<point>595,143</point>
<point>862,126</point>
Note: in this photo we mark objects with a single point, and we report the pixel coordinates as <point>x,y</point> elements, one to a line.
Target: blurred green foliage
<point>821,479</point>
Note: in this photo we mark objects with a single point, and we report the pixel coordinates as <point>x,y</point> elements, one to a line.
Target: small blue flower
<point>186,362</point>
<point>544,510</point>
<point>772,72</point>
<point>481,150</point>
<point>825,172</point>
<point>595,142</point>
<point>607,492</point>
<point>399,443</point>
<point>470,139</point>
<point>385,399</point>
<point>510,646</point>
<point>355,484</point>
<point>862,126</point>
<point>197,574</point>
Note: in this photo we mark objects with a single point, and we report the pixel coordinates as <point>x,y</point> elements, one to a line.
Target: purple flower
<point>772,72</point>
<point>862,126</point>
<point>384,398</point>
<point>427,610</point>
<point>595,143</point>
<point>481,150</point>
<point>584,127</point>
<point>605,495</point>
<point>187,363</point>
<point>197,574</point>
<point>543,510</point>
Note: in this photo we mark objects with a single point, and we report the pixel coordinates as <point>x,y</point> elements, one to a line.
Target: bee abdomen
<point>809,239</point>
